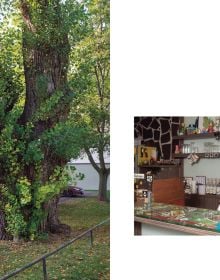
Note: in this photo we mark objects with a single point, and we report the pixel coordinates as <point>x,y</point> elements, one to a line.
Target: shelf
<point>194,136</point>
<point>201,195</point>
<point>201,155</point>
<point>158,165</point>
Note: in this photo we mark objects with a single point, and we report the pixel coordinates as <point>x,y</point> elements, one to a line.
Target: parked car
<point>73,191</point>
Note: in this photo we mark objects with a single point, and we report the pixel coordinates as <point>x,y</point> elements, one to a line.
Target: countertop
<point>187,217</point>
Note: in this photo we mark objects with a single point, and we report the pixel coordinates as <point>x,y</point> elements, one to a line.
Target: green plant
<point>16,224</point>
<point>24,191</point>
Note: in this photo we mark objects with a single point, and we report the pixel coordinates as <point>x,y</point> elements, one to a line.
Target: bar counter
<point>167,219</point>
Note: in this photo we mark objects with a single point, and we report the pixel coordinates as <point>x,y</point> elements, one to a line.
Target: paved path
<point>91,193</point>
<point>87,194</point>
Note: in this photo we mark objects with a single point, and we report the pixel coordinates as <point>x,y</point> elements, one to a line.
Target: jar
<point>207,189</point>
<point>214,189</point>
<point>192,147</point>
<point>202,189</point>
<point>177,149</point>
<point>183,148</point>
<point>194,187</point>
<point>186,148</point>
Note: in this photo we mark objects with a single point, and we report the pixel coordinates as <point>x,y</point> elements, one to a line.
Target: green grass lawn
<point>96,191</point>
<point>79,261</point>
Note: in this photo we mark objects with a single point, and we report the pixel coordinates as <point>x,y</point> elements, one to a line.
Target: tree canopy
<point>89,76</point>
<point>54,93</point>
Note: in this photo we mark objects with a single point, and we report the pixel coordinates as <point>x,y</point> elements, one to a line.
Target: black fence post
<point>44,269</point>
<point>91,238</point>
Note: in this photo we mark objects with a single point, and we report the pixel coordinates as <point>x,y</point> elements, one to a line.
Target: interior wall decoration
<point>157,132</point>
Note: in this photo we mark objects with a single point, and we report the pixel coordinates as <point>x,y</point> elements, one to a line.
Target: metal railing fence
<point>44,257</point>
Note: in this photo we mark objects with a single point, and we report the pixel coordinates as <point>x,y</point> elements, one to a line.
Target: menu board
<point>149,182</point>
<point>145,183</point>
<point>200,180</point>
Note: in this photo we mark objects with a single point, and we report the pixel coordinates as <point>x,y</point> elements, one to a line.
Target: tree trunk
<point>3,234</point>
<point>103,174</point>
<point>52,223</point>
<point>103,179</point>
<point>45,69</point>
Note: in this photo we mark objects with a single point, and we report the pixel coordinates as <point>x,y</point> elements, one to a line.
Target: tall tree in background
<point>89,73</point>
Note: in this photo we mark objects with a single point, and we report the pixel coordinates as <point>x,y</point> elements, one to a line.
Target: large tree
<point>36,136</point>
<point>46,59</point>
<point>90,74</point>
<point>31,161</point>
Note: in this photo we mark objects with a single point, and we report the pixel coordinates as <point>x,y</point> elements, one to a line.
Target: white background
<point>165,60</point>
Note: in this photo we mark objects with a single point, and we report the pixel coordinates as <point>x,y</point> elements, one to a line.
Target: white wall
<point>154,230</point>
<point>189,120</point>
<point>91,179</point>
<point>204,167</point>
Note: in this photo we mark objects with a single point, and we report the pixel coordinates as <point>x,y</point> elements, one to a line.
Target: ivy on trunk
<point>46,59</point>
<point>32,173</point>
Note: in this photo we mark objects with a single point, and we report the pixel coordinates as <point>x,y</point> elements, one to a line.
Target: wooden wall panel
<point>169,191</point>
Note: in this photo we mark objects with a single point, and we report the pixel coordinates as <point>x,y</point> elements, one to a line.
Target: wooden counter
<point>165,219</point>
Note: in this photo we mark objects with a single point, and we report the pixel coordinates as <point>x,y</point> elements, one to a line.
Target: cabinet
<point>208,201</point>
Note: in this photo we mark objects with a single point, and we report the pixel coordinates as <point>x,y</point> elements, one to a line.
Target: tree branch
<point>102,71</point>
<point>26,15</point>
<point>98,84</point>
<point>101,158</point>
<point>108,170</point>
<point>97,168</point>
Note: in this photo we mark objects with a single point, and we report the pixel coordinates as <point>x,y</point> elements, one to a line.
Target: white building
<point>91,179</point>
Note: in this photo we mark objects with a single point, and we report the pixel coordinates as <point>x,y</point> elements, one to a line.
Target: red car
<point>73,191</point>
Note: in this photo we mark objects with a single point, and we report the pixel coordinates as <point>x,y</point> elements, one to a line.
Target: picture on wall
<point>209,124</point>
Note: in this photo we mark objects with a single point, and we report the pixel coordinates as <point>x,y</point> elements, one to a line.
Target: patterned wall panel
<point>157,132</point>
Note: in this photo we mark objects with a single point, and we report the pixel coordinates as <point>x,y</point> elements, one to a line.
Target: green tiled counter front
<point>180,217</point>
